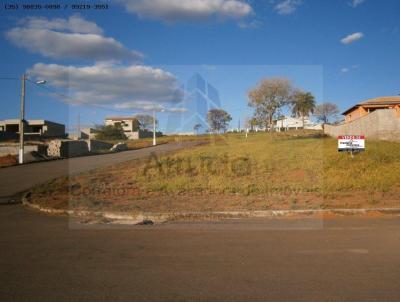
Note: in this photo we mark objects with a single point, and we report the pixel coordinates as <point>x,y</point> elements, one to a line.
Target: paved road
<point>19,178</point>
<point>45,258</point>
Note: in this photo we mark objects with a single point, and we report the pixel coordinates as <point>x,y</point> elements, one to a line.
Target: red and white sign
<point>352,143</point>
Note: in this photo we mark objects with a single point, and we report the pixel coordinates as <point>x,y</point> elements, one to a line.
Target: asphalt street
<point>16,179</point>
<point>46,258</point>
<point>50,258</point>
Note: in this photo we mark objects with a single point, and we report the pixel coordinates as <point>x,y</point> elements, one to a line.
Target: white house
<point>290,123</point>
<point>127,124</point>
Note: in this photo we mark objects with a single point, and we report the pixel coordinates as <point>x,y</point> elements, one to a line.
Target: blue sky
<point>342,51</point>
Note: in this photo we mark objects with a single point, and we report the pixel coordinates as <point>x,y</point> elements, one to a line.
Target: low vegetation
<point>148,141</point>
<point>293,170</point>
<point>110,132</point>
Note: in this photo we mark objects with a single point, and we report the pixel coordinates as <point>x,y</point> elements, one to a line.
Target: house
<point>84,133</point>
<point>128,124</point>
<point>368,106</point>
<point>377,118</point>
<point>41,128</point>
<point>290,123</point>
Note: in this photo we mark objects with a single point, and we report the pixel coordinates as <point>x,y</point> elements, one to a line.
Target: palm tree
<point>303,103</point>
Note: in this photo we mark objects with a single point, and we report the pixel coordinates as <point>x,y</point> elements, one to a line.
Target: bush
<point>110,132</point>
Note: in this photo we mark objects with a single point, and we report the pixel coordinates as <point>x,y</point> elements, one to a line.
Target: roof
<point>121,118</point>
<point>30,122</point>
<point>376,102</point>
<point>385,100</point>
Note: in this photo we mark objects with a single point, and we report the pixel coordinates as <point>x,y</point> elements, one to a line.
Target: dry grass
<point>148,142</point>
<point>282,170</point>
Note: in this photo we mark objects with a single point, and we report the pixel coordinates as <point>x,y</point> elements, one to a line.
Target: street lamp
<point>22,117</point>
<point>154,126</point>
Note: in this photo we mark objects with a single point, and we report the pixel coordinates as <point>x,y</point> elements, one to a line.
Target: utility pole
<point>154,127</point>
<point>22,121</point>
<point>79,127</point>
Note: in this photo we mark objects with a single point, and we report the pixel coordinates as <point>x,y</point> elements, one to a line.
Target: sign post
<point>351,143</point>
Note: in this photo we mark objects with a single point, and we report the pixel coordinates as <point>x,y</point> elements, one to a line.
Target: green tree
<point>267,98</point>
<point>303,103</point>
<point>110,132</point>
<point>218,119</point>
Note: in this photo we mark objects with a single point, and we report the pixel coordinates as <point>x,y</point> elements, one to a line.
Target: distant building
<point>377,118</point>
<point>128,124</point>
<point>40,128</point>
<point>84,133</point>
<point>294,123</point>
<point>368,106</point>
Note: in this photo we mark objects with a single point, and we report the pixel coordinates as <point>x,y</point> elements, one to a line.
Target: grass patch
<point>294,169</point>
<point>147,142</point>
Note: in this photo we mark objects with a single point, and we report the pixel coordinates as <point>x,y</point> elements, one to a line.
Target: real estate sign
<point>352,143</point>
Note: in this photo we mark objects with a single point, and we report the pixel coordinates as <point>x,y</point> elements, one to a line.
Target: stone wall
<point>67,148</point>
<point>132,135</point>
<point>381,124</point>
<point>57,148</point>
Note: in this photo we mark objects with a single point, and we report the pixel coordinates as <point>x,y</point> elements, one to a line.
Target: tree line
<point>268,99</point>
<point>271,95</point>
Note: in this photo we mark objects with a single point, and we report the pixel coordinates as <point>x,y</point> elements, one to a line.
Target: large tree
<point>146,121</point>
<point>303,103</point>
<point>268,97</point>
<point>325,111</point>
<point>218,119</point>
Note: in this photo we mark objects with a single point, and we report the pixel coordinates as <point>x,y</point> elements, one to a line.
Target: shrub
<point>110,132</point>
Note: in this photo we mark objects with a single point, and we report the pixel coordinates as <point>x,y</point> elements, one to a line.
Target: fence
<point>381,124</point>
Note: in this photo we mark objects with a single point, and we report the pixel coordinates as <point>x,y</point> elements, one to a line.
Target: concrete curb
<point>123,218</point>
<point>129,219</point>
